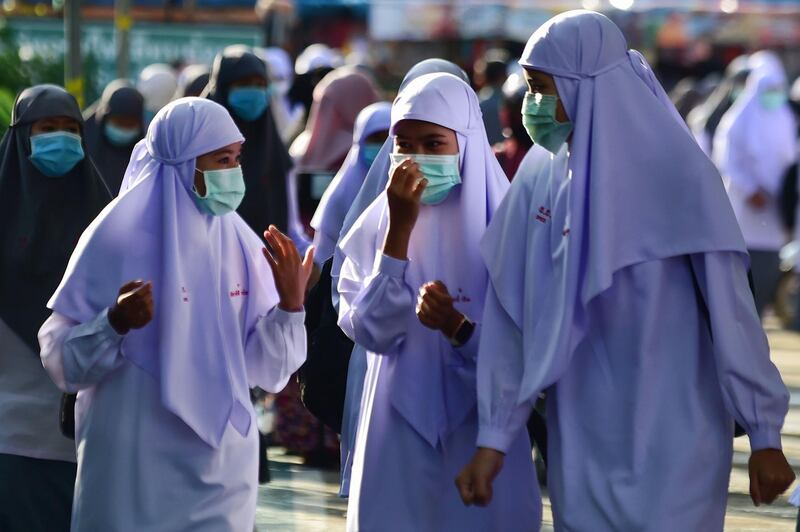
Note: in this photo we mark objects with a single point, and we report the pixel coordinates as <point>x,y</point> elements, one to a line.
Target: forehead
<point>250,78</point>
<point>60,119</point>
<point>420,128</point>
<point>539,76</point>
<point>234,148</point>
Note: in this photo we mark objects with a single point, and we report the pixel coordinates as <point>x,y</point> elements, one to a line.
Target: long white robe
<point>640,419</point>
<point>139,466</point>
<point>399,482</point>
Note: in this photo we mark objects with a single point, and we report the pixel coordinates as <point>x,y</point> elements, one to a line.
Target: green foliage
<point>16,74</point>
<point>6,105</point>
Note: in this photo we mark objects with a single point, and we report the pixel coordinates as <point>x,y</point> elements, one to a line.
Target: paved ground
<point>304,500</point>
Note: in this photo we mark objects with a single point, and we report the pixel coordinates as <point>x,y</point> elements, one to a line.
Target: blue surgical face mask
<point>121,136</point>
<point>248,103</point>
<point>224,191</point>
<point>539,119</point>
<point>773,99</point>
<point>56,153</point>
<point>369,152</point>
<point>441,171</point>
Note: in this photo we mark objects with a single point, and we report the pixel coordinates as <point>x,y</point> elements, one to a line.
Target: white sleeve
<point>751,385</point>
<point>374,309</point>
<point>276,348</point>
<point>79,355</point>
<point>500,369</point>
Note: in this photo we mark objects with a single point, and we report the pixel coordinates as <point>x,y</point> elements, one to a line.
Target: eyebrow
<point>224,151</point>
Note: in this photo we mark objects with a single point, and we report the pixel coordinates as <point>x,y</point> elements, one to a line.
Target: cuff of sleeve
<point>392,267</point>
<point>495,438</point>
<point>768,438</point>
<point>104,326</point>
<point>470,349</point>
<point>288,318</point>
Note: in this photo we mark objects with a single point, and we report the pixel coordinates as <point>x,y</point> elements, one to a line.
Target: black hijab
<point>302,90</point>
<point>265,160</point>
<point>41,218</point>
<point>120,98</point>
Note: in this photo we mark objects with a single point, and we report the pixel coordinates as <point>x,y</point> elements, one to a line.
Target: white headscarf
<point>754,144</point>
<point>316,56</point>
<point>428,391</point>
<point>157,83</point>
<point>639,189</point>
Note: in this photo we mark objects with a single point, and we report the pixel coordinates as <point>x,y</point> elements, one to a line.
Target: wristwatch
<point>463,332</point>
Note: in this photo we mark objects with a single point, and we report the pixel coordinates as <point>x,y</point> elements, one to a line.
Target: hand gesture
<point>291,273</point>
<point>404,193</point>
<point>435,309</point>
<point>475,481</point>
<point>770,475</point>
<point>134,307</point>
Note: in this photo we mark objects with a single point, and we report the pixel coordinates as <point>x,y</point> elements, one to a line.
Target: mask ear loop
<point>194,187</point>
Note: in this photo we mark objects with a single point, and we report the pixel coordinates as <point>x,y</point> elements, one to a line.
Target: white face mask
<point>224,191</point>
<point>441,171</point>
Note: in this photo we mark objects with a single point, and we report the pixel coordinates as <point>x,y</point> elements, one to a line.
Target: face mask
<point>539,119</point>
<point>248,102</point>
<point>121,136</point>
<point>56,153</point>
<point>441,171</point>
<point>224,191</point>
<point>369,152</point>
<point>772,100</point>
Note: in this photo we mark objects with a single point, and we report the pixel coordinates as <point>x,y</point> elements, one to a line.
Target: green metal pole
<point>73,66</point>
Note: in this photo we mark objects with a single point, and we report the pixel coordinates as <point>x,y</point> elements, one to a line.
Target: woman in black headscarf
<point>113,127</point>
<point>239,82</point>
<point>49,192</point>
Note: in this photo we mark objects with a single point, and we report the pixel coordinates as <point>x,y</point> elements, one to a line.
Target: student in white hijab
<point>169,312</point>
<point>755,144</point>
<point>411,289</point>
<point>624,297</point>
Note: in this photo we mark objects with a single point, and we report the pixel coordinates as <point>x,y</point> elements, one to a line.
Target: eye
<point>224,160</point>
<point>403,145</point>
<point>433,144</point>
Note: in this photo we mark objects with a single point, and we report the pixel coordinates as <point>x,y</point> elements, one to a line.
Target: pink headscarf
<point>338,99</point>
